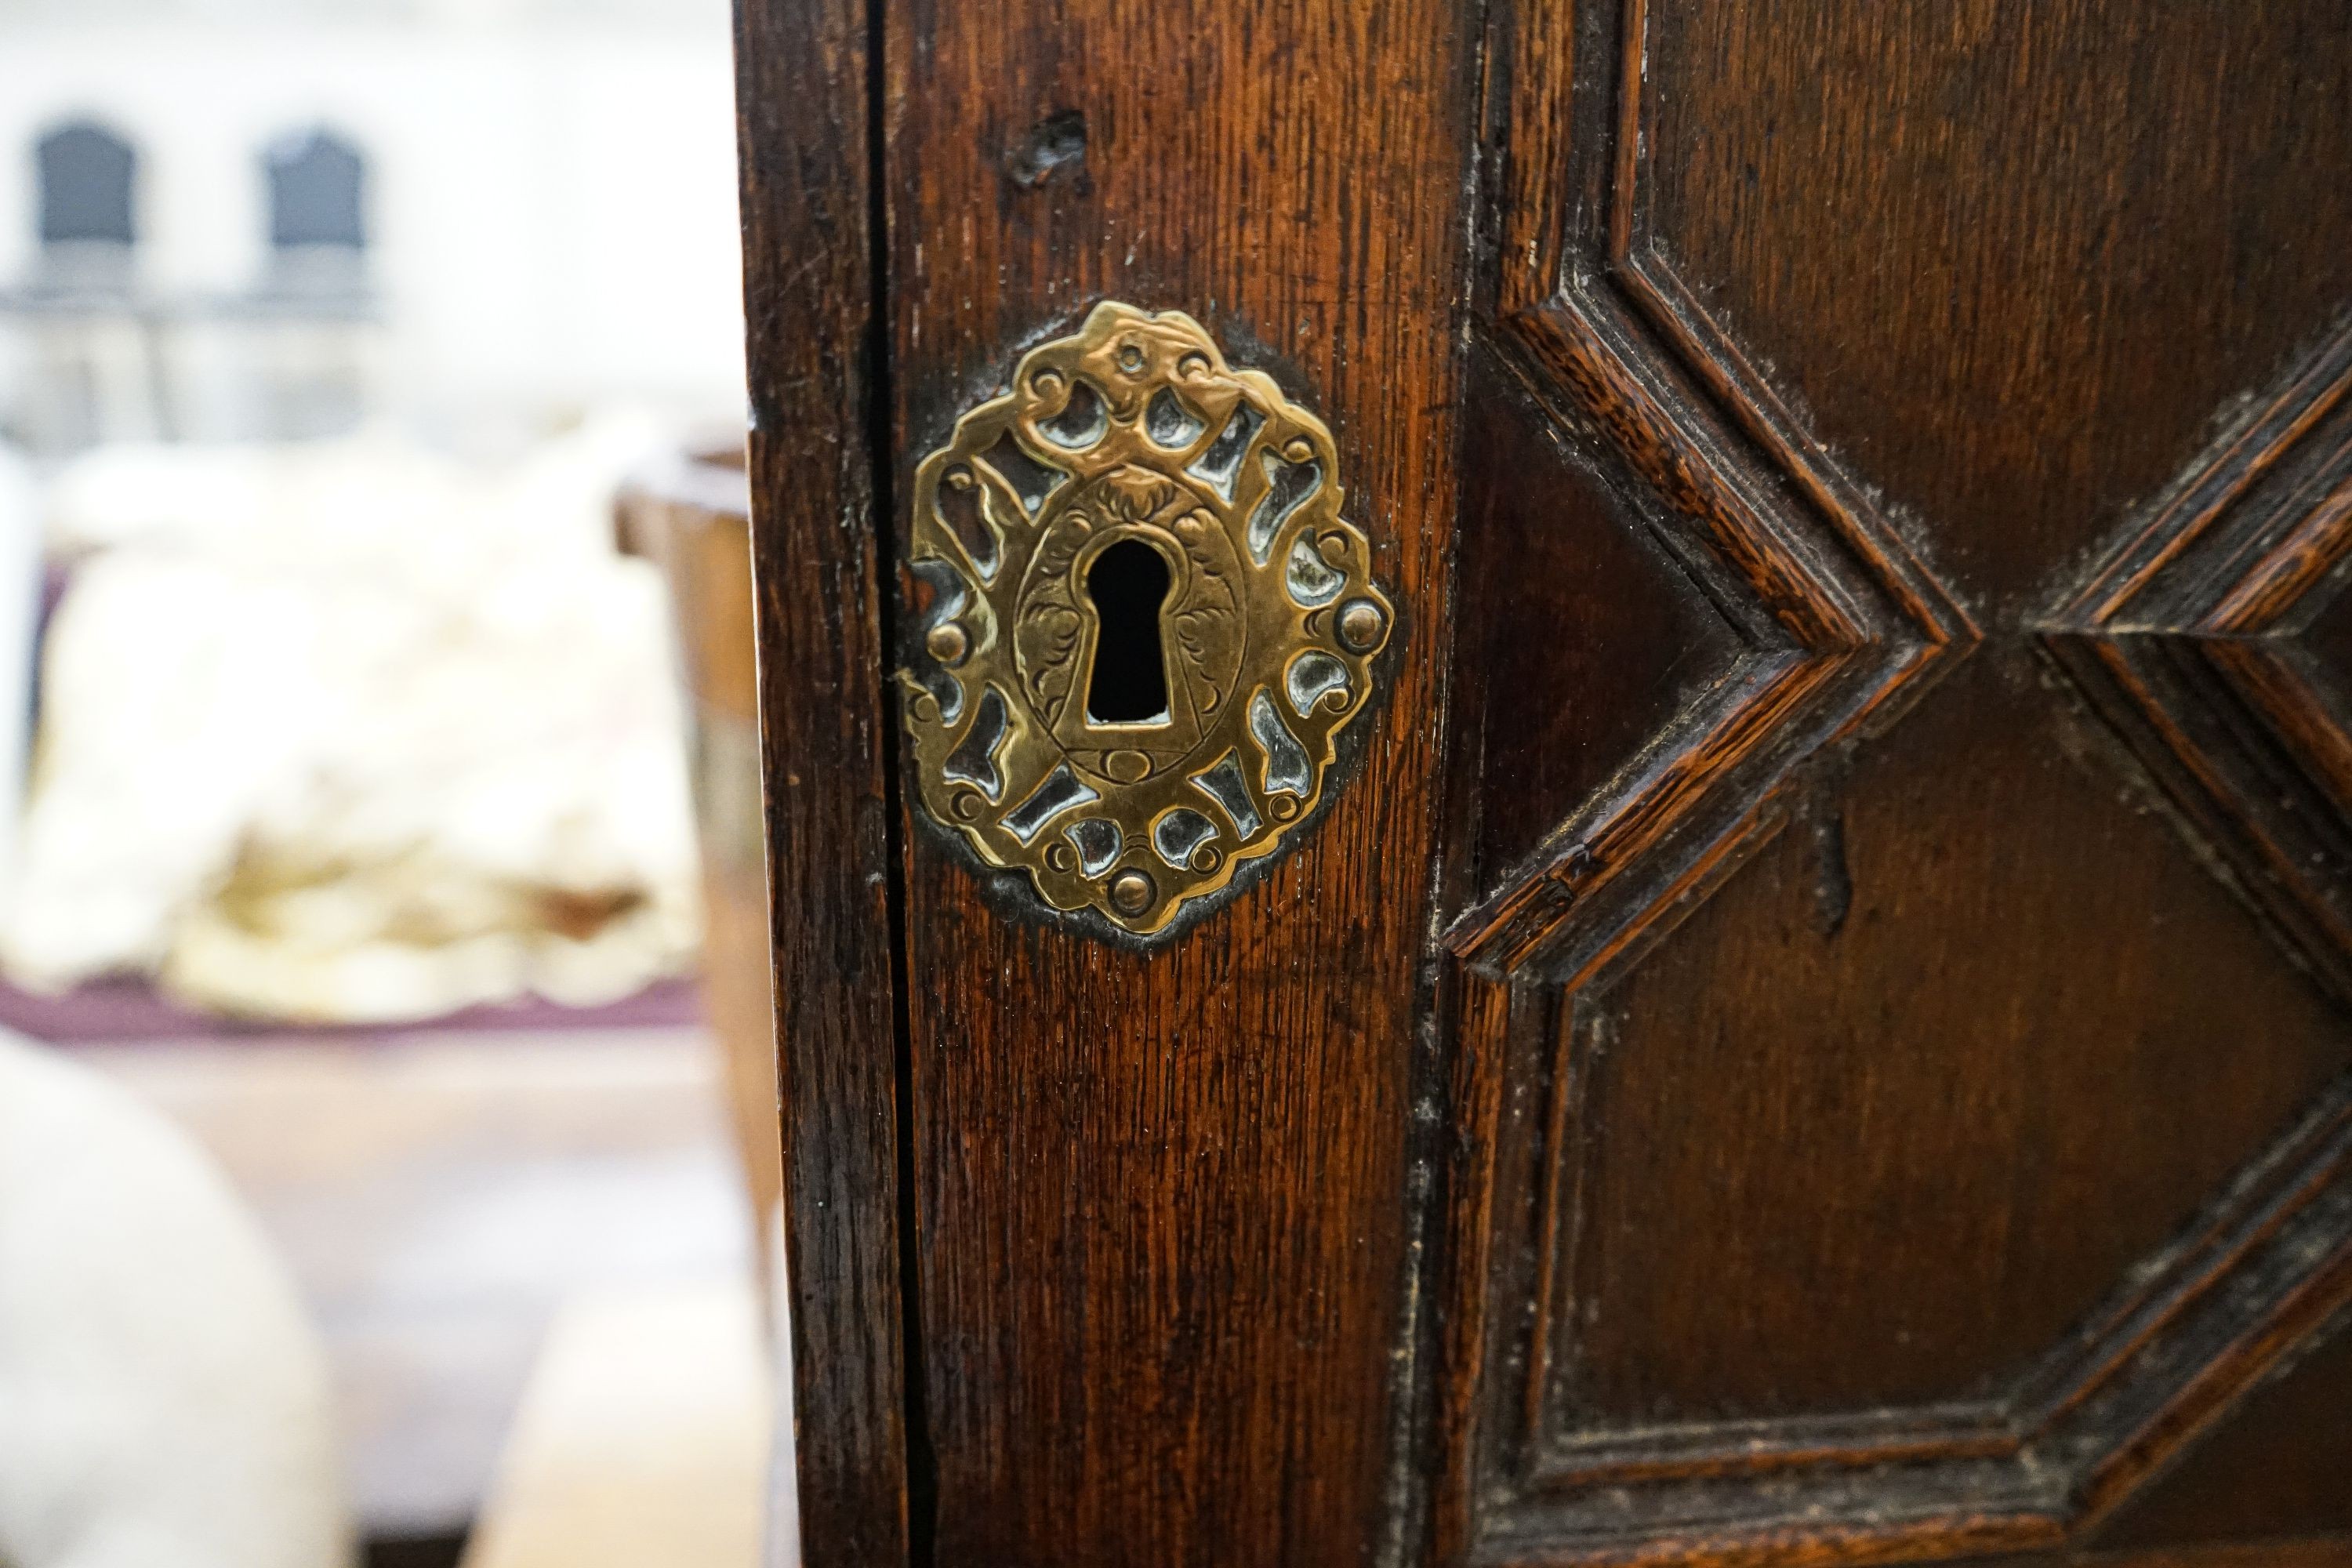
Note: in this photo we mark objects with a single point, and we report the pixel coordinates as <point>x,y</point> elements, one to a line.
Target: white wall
<point>551,204</point>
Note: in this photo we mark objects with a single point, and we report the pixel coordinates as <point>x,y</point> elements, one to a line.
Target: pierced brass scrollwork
<point>1141,622</point>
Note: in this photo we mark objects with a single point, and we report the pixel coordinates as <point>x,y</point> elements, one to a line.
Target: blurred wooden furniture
<point>643,1438</point>
<point>691,518</point>
<point>440,1195</point>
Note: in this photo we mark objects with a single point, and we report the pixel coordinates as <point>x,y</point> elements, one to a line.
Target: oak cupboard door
<point>1806,1020</point>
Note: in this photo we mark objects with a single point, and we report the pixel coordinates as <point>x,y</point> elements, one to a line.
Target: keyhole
<point>1127,583</point>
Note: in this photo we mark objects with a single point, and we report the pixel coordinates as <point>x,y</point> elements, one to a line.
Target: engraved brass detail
<point>1031,680</point>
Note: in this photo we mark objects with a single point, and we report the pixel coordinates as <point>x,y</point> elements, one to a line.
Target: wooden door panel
<point>2013,267</point>
<point>1901,1104</point>
<point>1160,1196</point>
<point>2274,1465</point>
<point>1567,702</point>
<point>824,730</point>
<point>1812,1027</point>
<point>1982,1132</point>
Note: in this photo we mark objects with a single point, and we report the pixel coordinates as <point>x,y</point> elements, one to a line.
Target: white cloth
<point>349,732</point>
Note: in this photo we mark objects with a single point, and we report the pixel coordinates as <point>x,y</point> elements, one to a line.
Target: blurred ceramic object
<point>164,1398</point>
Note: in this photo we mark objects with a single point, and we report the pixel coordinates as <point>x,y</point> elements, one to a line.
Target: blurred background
<point>386,1122</point>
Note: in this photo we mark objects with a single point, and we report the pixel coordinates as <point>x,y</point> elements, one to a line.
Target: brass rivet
<point>1284,807</point>
<point>1130,892</point>
<point>1360,624</point>
<point>947,643</point>
<point>1130,358</point>
<point>1127,766</point>
<point>968,805</point>
<point>1207,857</point>
<point>1059,857</point>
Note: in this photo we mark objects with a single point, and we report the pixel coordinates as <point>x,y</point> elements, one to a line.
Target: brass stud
<point>1284,806</point>
<point>1130,358</point>
<point>1059,857</point>
<point>1362,624</point>
<point>967,805</point>
<point>947,643</point>
<point>1126,767</point>
<point>1207,859</point>
<point>1130,892</point>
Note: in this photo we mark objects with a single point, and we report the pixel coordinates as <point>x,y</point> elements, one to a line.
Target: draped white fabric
<point>350,731</point>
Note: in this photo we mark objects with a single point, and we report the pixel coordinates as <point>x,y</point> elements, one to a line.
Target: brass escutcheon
<point>1140,623</point>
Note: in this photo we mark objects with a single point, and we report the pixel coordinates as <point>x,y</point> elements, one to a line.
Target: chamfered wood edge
<point>1603,337</point>
<point>804,104</point>
<point>1569,265</point>
<point>2298,1552</point>
<point>1995,1536</point>
<point>2185,639</point>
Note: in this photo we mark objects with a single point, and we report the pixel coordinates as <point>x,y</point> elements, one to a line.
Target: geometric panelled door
<point>1558,781</point>
<point>1852,627</point>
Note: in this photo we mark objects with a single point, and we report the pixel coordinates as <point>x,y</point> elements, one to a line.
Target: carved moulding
<point>1590,312</point>
<point>1143,623</point>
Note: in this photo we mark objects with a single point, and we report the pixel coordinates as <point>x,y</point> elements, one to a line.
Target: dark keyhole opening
<point>1127,583</point>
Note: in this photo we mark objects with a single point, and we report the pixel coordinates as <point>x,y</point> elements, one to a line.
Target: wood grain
<point>2279,1455</point>
<point>1162,1195</point>
<point>2028,1180</point>
<point>1810,1034</point>
<point>2090,233</point>
<point>1847,416</point>
<point>2294,1552</point>
<point>1561,706</point>
<point>802,96</point>
<point>2189,635</point>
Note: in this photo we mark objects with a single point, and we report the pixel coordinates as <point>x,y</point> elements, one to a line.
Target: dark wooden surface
<point>2279,1459</point>
<point>2059,1121</point>
<point>1816,1031</point>
<point>1887,1142</point>
<point>1161,1198</point>
<point>1561,710</point>
<point>803,113</point>
<point>2014,270</point>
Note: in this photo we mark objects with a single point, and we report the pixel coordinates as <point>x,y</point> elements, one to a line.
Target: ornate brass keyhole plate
<point>1143,623</point>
